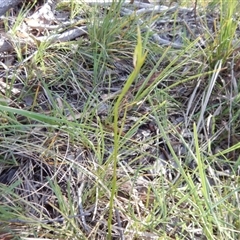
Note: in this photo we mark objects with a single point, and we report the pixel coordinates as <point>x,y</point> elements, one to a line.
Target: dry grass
<point>161,164</point>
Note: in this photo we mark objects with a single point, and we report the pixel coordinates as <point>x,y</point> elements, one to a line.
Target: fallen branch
<point>7,4</point>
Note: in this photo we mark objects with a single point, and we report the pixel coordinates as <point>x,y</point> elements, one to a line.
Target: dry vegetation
<point>107,133</point>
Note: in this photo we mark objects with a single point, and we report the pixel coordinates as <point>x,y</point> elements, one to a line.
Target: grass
<point>112,136</point>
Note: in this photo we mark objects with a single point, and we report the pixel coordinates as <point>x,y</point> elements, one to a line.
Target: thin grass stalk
<point>216,72</point>
<point>138,60</point>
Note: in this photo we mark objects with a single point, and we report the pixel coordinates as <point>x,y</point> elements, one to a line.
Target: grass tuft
<point>129,131</point>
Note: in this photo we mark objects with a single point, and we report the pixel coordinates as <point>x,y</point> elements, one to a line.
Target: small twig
<point>120,228</point>
<point>195,11</point>
<point>66,36</point>
<point>81,211</point>
<point>58,219</point>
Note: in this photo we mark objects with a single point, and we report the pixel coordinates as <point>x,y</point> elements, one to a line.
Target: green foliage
<point>223,42</point>
<point>131,154</point>
<point>138,60</point>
